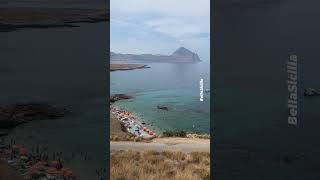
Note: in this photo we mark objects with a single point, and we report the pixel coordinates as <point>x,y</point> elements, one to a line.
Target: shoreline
<point>124,117</point>
<point>16,18</point>
<point>13,115</point>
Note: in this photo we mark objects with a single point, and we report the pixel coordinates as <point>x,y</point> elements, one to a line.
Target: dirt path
<point>162,144</point>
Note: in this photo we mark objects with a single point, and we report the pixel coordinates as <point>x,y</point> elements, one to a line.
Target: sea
<point>62,66</point>
<point>253,41</point>
<point>175,85</point>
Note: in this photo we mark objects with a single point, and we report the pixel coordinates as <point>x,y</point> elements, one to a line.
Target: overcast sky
<point>160,26</point>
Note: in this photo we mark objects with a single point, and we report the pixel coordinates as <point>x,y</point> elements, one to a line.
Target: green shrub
<point>174,134</point>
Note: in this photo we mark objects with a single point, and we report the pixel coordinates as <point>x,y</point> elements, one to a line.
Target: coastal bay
<point>176,89</point>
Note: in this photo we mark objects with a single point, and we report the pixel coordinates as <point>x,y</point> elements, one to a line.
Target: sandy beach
<point>187,144</point>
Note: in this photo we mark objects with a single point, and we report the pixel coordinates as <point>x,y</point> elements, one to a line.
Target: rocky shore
<point>15,18</point>
<point>14,114</point>
<point>118,97</point>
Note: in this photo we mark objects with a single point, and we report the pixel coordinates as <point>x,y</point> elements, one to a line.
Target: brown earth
<point>7,173</point>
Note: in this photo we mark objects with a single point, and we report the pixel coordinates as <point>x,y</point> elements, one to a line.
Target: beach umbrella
<point>56,164</point>
<point>40,164</point>
<point>24,158</point>
<point>53,170</point>
<point>23,152</point>
<point>16,147</point>
<point>34,173</point>
<point>35,168</point>
<point>136,127</point>
<point>68,173</point>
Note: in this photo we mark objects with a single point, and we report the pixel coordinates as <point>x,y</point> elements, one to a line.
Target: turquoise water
<point>174,85</point>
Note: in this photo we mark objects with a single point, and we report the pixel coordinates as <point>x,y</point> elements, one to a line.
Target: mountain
<point>181,55</point>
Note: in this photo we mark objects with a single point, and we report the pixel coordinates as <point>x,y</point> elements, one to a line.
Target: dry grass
<point>153,165</point>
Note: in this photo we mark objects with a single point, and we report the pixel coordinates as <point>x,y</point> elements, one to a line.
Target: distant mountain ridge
<point>181,55</point>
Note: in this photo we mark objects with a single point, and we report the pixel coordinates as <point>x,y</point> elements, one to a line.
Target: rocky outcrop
<point>15,114</point>
<point>163,107</point>
<point>117,97</point>
<point>124,67</point>
<point>15,18</point>
<point>311,92</point>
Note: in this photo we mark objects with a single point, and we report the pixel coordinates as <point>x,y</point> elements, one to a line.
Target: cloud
<point>160,25</point>
<point>182,8</point>
<point>178,28</point>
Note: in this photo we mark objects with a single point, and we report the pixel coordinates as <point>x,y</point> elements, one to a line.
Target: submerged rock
<point>163,107</point>
<point>311,92</point>
<point>117,97</point>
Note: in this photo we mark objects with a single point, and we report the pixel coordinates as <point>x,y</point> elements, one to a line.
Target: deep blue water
<point>252,45</point>
<point>60,66</point>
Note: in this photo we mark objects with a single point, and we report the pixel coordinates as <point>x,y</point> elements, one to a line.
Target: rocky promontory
<point>15,114</point>
<point>123,67</point>
<point>15,18</point>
